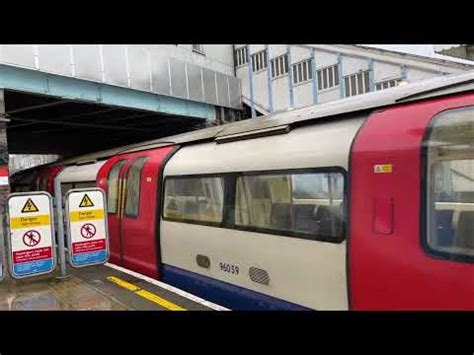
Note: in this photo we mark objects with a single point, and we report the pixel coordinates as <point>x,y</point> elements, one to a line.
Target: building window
<point>259,61</point>
<point>279,66</point>
<point>198,48</point>
<point>241,56</point>
<point>305,204</point>
<point>357,84</point>
<point>387,84</point>
<point>302,71</point>
<point>328,77</point>
<point>132,200</point>
<point>199,199</point>
<point>449,187</point>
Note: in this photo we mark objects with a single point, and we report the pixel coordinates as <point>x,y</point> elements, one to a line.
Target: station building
<point>276,78</point>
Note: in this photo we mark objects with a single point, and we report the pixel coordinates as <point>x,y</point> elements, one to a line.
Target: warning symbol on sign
<point>29,207</point>
<point>86,202</point>
<point>31,238</point>
<point>88,230</point>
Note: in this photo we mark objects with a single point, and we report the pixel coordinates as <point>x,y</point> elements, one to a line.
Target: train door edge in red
<point>148,213</point>
<point>388,267</point>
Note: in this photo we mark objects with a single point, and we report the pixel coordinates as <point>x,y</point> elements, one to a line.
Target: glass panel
<point>347,87</point>
<point>360,84</point>
<point>112,187</point>
<point>450,185</point>
<point>336,75</point>
<point>366,80</point>
<point>295,78</point>
<point>273,65</point>
<point>331,77</point>
<point>353,85</point>
<point>300,74</point>
<point>310,69</point>
<point>320,84</point>
<point>309,203</point>
<point>132,200</point>
<point>305,71</point>
<point>194,199</point>
<point>325,78</point>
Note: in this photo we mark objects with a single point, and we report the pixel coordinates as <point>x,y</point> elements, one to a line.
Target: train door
<point>133,192</point>
<point>411,243</point>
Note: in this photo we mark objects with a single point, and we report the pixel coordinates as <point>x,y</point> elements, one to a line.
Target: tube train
<point>365,203</point>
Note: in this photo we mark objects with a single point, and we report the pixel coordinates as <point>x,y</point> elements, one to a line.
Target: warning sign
<point>31,237</point>
<point>87,227</point>
<point>29,207</point>
<point>383,168</point>
<point>86,202</point>
<point>88,230</point>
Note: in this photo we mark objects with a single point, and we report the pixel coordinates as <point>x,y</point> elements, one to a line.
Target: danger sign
<point>87,227</point>
<point>31,237</point>
<point>88,230</point>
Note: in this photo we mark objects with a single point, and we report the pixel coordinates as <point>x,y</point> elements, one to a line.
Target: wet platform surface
<point>92,288</point>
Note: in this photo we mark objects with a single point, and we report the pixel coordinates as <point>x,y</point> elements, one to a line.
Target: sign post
<point>31,245</point>
<point>88,240</point>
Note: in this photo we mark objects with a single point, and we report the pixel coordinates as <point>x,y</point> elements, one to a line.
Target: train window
<point>309,205</point>
<point>199,199</point>
<point>133,187</point>
<point>450,185</point>
<point>113,187</point>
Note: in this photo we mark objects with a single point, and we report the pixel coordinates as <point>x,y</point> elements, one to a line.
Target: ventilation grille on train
<point>259,275</point>
<point>203,261</point>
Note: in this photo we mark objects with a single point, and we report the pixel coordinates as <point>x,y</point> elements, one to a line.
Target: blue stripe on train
<point>223,293</point>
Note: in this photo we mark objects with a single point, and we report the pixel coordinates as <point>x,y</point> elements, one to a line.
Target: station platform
<point>103,287</point>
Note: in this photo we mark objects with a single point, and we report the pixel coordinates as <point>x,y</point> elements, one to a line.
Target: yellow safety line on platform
<point>146,294</point>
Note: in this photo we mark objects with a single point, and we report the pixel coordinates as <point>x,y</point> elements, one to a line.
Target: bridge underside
<point>42,124</point>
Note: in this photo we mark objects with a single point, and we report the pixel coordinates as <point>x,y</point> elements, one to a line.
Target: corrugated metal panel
<point>141,67</point>
<point>21,55</point>
<point>55,59</point>
<point>178,78</point>
<point>140,70</point>
<point>195,82</point>
<point>87,62</point>
<point>115,65</point>
<point>222,90</point>
<point>209,86</point>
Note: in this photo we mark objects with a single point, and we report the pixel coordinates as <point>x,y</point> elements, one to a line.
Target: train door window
<point>132,200</point>
<point>113,187</point>
<point>198,199</point>
<point>302,204</point>
<point>449,188</point>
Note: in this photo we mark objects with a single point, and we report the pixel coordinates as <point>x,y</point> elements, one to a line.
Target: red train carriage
<point>362,203</point>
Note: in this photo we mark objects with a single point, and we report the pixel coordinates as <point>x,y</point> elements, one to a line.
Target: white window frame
<point>330,73</point>
<point>278,66</point>
<point>260,61</point>
<point>396,81</point>
<point>241,56</point>
<point>358,91</point>
<point>302,69</point>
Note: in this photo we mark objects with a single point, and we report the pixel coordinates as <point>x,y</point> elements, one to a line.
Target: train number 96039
<point>229,268</point>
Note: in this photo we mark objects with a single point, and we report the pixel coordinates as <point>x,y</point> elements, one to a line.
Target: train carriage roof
<point>281,122</point>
